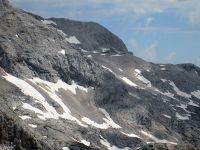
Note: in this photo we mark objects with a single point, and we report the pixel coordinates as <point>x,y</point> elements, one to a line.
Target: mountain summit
<point>70,85</point>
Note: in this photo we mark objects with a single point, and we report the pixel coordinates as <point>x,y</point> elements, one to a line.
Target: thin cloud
<point>163,29</point>
<point>190,9</point>
<point>149,20</point>
<point>148,53</point>
<point>170,57</point>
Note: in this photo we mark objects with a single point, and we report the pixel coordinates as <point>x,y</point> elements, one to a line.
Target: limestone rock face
<point>67,84</point>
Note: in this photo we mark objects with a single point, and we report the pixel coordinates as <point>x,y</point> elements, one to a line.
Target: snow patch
<point>105,50</point>
<point>164,80</point>
<point>156,139</point>
<point>65,148</point>
<point>109,120</point>
<point>180,117</point>
<point>16,36</point>
<point>26,88</point>
<point>95,52</point>
<point>33,125</point>
<point>191,103</point>
<point>120,69</point>
<point>53,87</point>
<point>84,51</point>
<point>41,117</point>
<point>108,69</point>
<point>61,32</point>
<point>168,94</point>
<point>162,65</point>
<point>142,78</point>
<point>131,135</point>
<point>62,52</point>
<point>48,22</point>
<point>163,69</point>
<point>92,123</point>
<point>111,147</point>
<point>138,71</point>
<point>89,56</point>
<point>116,55</point>
<point>183,106</point>
<point>73,40</point>
<point>25,117</point>
<point>129,82</point>
<point>176,89</point>
<point>167,116</point>
<point>196,94</point>
<point>85,142</point>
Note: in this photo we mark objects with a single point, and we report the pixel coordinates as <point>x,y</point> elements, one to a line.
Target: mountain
<point>70,85</point>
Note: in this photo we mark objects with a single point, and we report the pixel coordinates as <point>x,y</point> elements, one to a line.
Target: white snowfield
<point>73,40</point>
<point>139,76</point>
<point>50,89</point>
<point>48,22</point>
<point>156,139</point>
<point>27,87</point>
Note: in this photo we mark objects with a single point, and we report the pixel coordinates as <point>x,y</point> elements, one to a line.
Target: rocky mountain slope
<point>73,85</point>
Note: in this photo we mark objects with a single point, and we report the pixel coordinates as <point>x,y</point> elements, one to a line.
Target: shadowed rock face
<point>93,37</point>
<point>73,85</point>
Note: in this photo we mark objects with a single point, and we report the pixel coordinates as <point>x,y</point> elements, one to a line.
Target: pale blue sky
<point>162,31</point>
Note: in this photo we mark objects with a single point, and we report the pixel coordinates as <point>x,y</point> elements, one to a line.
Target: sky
<point>160,31</point>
